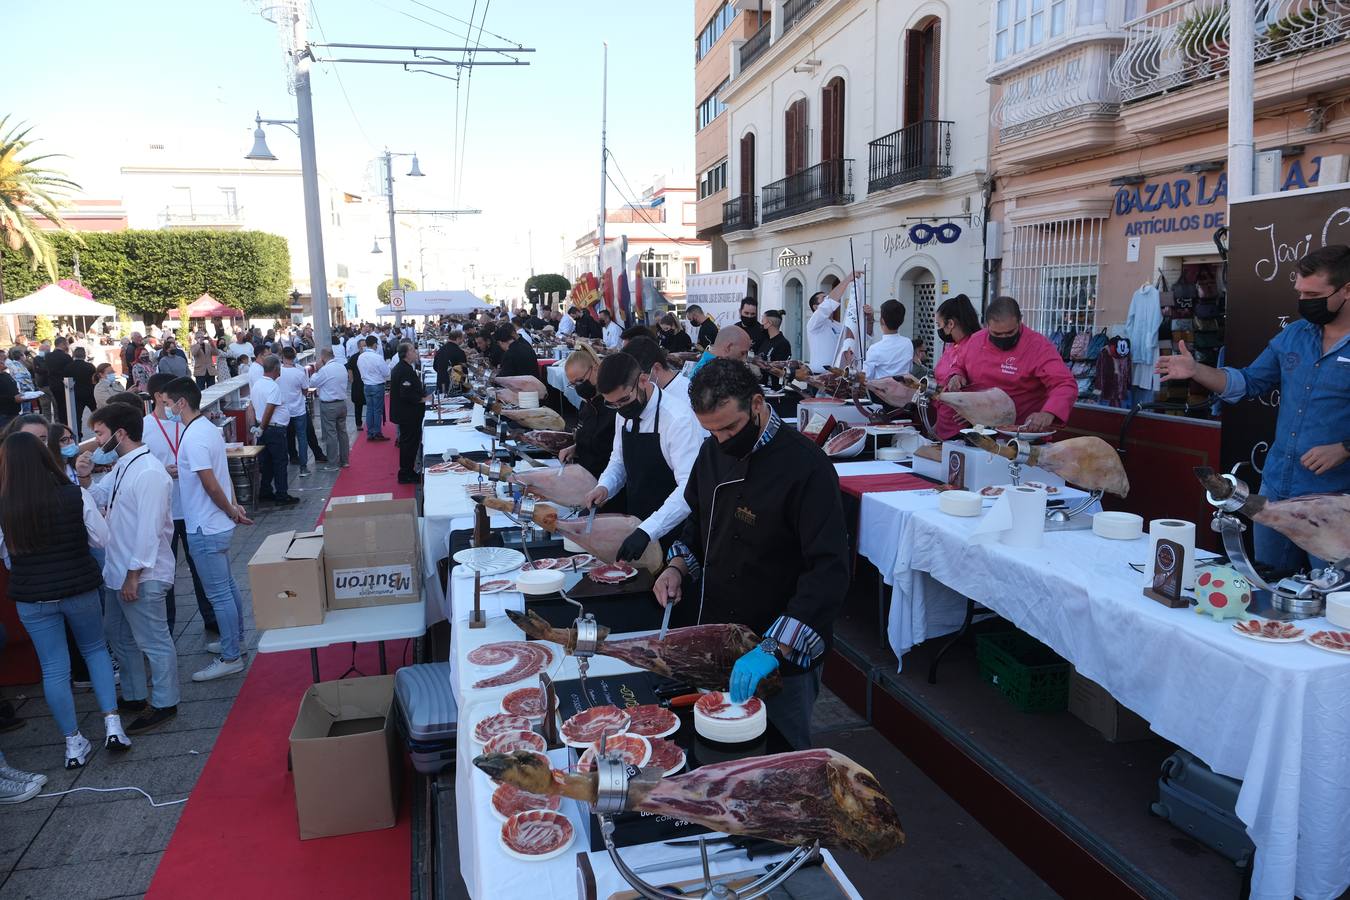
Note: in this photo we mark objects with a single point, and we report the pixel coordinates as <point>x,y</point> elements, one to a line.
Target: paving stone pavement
<point>96,846</point>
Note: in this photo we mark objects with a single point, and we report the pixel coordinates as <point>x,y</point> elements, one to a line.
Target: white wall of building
<point>863,41</point>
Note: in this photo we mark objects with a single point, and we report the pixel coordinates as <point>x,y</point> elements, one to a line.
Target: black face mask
<point>945,337</point>
<point>633,408</point>
<point>1008,342</point>
<point>739,445</point>
<point>1316,310</point>
<point>586,390</point>
<point>748,323</point>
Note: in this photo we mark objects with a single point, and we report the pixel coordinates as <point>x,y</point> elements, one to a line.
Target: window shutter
<point>747,165</point>
<point>931,79</point>
<point>913,76</point>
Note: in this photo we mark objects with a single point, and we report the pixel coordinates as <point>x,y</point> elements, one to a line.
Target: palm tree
<point>28,191</point>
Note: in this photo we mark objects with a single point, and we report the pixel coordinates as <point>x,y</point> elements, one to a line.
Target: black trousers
<point>272,462</point>
<point>358,398</point>
<point>203,604</point>
<point>409,443</point>
<point>81,404</point>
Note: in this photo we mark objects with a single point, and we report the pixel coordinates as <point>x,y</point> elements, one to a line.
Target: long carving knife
<point>665,622</point>
<point>590,520</point>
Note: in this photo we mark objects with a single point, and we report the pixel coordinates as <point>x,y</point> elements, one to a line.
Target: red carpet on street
<point>238,834</point>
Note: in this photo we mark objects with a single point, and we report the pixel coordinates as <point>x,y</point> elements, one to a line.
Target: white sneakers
<point>13,790</point>
<point>219,668</point>
<point>213,647</point>
<point>77,751</point>
<point>9,773</point>
<point>115,738</point>
<point>304,471</point>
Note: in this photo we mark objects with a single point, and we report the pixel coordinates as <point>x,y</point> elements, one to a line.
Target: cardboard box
<point>287,577</point>
<point>1090,702</point>
<point>371,554</point>
<point>357,498</point>
<point>345,757</point>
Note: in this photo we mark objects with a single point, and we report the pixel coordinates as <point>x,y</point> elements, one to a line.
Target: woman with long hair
<point>47,526</point>
<point>956,321</point>
<point>595,420</point>
<point>141,370</point>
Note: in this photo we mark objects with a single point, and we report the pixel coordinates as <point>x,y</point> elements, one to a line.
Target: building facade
<point>1110,141</point>
<point>857,136</point>
<point>716,24</point>
<point>662,227</point>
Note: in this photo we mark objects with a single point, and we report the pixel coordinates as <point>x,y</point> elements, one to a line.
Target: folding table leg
<point>384,668</point>
<point>965,626</point>
<point>314,663</point>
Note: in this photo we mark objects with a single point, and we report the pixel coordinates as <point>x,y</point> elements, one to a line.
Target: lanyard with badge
<point>177,440</point>
<point>117,485</point>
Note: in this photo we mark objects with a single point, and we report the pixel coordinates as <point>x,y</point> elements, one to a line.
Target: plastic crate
<point>1030,674</point>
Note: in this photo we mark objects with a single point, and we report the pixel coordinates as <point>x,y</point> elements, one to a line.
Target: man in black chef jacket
<point>407,407</point>
<point>447,356</point>
<point>517,356</point>
<point>750,322</point>
<point>764,543</point>
<point>707,328</point>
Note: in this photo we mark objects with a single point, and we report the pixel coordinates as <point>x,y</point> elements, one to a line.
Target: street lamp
<point>303,128</point>
<point>414,172</point>
<point>375,249</point>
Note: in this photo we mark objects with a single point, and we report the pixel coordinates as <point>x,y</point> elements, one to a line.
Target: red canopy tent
<point>208,307</point>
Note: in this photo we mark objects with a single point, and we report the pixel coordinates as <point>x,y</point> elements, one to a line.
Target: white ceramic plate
<point>1025,435</point>
<point>1299,637</point>
<point>490,560</point>
<point>1336,650</point>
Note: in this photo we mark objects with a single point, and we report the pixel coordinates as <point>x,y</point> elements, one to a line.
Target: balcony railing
<point>917,152</point>
<point>754,46</point>
<point>200,216</point>
<point>1187,41</point>
<point>826,184</point>
<point>738,213</point>
<point>794,11</point>
<point>1061,88</point>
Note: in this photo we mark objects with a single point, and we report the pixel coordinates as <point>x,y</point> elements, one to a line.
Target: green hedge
<point>148,272</point>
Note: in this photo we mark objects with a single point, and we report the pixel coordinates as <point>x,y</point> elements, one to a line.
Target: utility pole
<point>604,113</point>
<point>309,177</point>
<point>393,238</point>
<point>1241,97</point>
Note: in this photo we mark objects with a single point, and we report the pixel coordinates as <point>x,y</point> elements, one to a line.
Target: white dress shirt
<point>292,385</point>
<point>681,437</point>
<point>93,523</point>
<point>236,350</point>
<point>267,392</point>
<point>354,343</point>
<point>613,335</point>
<point>567,326</point>
<point>331,381</point>
<point>525,336</point>
<point>162,438</point>
<point>822,334</point>
<point>136,497</point>
<point>255,374</point>
<point>202,448</point>
<point>892,355</point>
<point>374,368</point>
<point>677,389</point>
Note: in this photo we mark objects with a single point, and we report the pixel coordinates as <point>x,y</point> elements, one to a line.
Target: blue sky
<point>102,75</point>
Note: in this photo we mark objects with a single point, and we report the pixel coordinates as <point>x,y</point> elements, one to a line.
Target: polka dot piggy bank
<point>1223,593</point>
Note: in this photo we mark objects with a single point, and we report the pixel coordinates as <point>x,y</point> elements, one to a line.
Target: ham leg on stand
<point>566,485</point>
<point>700,656</point>
<point>791,798</point>
<point>603,542</point>
<point>992,407</point>
<point>518,383</point>
<point>1088,462</point>
<point>1319,523</point>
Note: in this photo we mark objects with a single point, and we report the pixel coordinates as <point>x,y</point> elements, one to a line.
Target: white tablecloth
<point>1276,716</point>
<point>557,378</point>
<point>488,872</point>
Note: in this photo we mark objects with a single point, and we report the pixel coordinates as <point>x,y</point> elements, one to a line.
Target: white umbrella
<point>53,300</point>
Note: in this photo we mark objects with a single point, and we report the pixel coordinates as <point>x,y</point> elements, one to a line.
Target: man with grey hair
<point>332,383</point>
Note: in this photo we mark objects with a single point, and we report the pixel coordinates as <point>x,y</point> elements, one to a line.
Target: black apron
<point>650,479</point>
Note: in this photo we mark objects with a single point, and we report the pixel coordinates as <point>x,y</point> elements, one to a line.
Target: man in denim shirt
<point>1309,361</point>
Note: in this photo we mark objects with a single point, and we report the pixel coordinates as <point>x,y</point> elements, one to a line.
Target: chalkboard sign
<point>1267,237</point>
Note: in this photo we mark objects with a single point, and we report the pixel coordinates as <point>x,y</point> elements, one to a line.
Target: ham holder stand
<point>615,778</point>
<point>1301,596</point>
<point>1058,519</point>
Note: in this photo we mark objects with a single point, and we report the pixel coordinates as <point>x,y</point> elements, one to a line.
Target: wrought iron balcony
<point>1187,41</point>
<point>825,184</point>
<point>201,216</point>
<point>754,46</point>
<point>738,213</point>
<point>917,152</point>
<point>794,11</point>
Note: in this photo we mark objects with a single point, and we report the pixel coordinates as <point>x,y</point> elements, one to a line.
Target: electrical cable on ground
<point>114,790</point>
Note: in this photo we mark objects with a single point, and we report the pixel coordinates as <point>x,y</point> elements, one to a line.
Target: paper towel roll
<point>1338,609</point>
<point>477,417</point>
<point>1028,517</point>
<point>1173,530</point>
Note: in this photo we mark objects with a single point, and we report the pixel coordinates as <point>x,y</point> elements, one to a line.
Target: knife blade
<point>665,622</point>
<point>590,520</point>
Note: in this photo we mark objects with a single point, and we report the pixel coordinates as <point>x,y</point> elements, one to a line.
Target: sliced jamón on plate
<point>653,721</point>
<point>511,741</point>
<point>634,749</point>
<point>507,800</point>
<point>666,755</point>
<point>527,658</point>
<point>718,705</point>
<point>526,701</point>
<point>536,834</point>
<point>1335,641</point>
<point>1268,630</point>
<point>585,728</point>
<point>498,723</point>
<point>612,573</point>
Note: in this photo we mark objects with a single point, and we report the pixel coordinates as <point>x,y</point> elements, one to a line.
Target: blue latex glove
<point>749,671</point>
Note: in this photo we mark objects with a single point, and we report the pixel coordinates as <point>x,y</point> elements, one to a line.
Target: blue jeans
<point>374,410</point>
<point>46,624</point>
<point>272,467</point>
<point>138,630</point>
<point>301,423</point>
<point>212,552</point>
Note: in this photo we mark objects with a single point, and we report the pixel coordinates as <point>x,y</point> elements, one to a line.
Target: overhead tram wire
<point>635,204</point>
<point>470,24</point>
<point>468,88</point>
<point>342,87</point>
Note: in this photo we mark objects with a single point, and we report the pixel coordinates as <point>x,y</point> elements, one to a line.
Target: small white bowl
<point>960,503</point>
<point>539,581</point>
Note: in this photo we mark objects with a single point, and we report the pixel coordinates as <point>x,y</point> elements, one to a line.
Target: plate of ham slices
<point>536,835</point>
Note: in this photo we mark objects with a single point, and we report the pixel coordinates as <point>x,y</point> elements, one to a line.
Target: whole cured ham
<point>552,441</point>
<point>565,485</point>
<point>541,419</point>
<point>991,407</point>
<point>607,533</point>
<point>526,660</point>
<point>518,383</point>
<point>700,655</point>
<point>895,392</point>
<point>1088,462</point>
<point>791,798</point>
<point>1319,523</point>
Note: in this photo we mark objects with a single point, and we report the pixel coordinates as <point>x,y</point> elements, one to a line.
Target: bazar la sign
<point>1187,203</point>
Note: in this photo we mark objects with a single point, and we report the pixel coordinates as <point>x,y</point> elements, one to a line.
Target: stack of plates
<point>528,399</point>
<point>539,581</point>
<point>1118,526</point>
<point>891,454</point>
<point>960,503</point>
